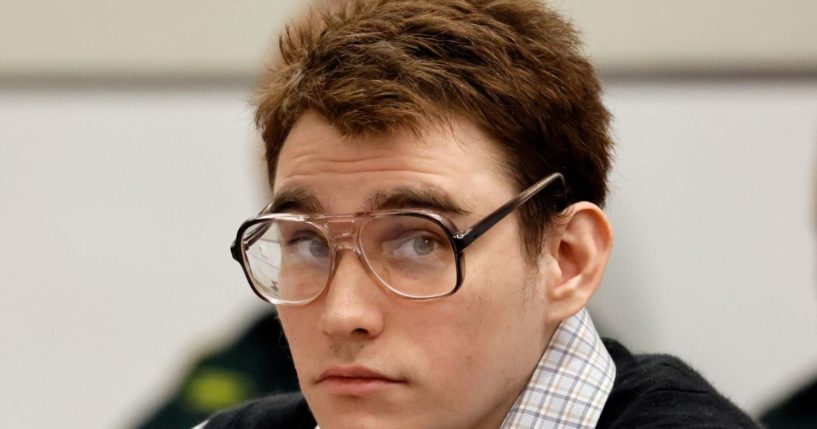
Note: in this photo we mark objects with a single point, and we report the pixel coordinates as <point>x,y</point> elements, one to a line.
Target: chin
<point>354,413</point>
<point>359,420</point>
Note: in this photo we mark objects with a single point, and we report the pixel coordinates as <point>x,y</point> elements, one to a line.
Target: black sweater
<point>650,391</point>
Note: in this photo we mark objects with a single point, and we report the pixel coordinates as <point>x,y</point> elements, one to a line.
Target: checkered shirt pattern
<point>570,384</point>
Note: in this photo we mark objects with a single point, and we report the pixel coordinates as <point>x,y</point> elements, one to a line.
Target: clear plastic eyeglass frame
<point>458,239</point>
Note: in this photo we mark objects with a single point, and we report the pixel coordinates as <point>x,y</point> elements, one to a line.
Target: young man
<point>437,169</point>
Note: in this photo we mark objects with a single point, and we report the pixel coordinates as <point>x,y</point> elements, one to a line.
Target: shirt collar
<point>571,382</point>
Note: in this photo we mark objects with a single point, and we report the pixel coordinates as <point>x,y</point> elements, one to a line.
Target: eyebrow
<point>295,200</point>
<point>301,200</point>
<point>410,197</point>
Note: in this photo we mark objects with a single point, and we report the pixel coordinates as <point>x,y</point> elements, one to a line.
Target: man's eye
<point>318,248</point>
<point>309,245</point>
<point>416,245</point>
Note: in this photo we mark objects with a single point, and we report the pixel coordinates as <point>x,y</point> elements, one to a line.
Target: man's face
<point>367,358</point>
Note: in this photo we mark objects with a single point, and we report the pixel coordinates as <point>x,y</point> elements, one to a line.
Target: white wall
<point>713,197</point>
<point>118,208</point>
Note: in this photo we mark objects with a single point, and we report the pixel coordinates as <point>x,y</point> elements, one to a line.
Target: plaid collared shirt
<point>570,384</point>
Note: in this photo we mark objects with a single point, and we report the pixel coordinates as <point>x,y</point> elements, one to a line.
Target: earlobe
<point>580,246</point>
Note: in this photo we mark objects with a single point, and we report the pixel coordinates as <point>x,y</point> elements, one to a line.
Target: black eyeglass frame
<point>459,239</point>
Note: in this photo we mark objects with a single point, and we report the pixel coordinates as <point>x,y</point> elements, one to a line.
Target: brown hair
<point>511,66</point>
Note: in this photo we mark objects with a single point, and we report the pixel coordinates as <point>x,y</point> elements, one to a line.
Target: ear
<point>580,246</point>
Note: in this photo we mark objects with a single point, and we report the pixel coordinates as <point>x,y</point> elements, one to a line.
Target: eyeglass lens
<point>291,260</point>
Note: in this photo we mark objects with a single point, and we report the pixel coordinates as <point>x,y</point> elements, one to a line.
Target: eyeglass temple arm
<point>235,251</point>
<point>468,236</point>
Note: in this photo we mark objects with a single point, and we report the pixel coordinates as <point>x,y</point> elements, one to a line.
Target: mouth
<point>355,381</point>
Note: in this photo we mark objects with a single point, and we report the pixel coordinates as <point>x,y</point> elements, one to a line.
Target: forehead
<point>456,158</point>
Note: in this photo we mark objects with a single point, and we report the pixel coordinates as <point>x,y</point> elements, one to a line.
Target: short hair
<point>513,67</point>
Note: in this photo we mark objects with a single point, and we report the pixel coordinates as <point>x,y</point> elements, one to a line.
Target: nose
<point>353,303</point>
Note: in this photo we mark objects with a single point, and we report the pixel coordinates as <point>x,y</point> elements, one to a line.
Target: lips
<point>355,381</point>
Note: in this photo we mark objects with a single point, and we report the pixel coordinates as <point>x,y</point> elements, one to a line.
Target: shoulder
<point>662,391</point>
<point>285,411</point>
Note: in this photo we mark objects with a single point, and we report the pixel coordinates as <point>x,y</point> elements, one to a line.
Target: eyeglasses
<point>290,259</point>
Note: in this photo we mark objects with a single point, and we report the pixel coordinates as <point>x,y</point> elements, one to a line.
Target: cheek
<point>499,273</point>
<point>473,343</point>
<point>481,326</point>
<point>501,307</point>
<point>296,323</point>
